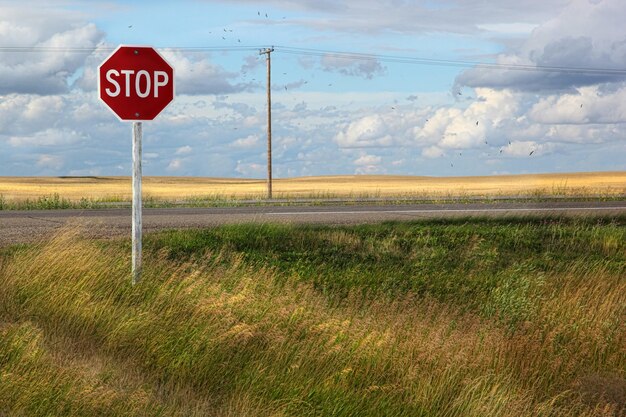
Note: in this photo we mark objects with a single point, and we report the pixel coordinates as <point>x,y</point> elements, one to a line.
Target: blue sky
<point>331,114</point>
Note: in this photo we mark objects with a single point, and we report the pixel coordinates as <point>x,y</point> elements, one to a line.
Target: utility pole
<point>268,51</point>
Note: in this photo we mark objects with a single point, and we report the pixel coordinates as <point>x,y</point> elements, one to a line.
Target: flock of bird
<point>259,14</point>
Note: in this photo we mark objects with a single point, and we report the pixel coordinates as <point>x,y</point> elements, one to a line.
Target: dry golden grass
<point>180,188</point>
<point>217,336</point>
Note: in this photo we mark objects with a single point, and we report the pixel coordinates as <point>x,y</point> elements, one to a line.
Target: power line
<point>398,59</point>
<point>89,50</point>
<point>447,62</point>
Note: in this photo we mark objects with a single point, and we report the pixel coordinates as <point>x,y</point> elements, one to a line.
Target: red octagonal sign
<point>136,82</point>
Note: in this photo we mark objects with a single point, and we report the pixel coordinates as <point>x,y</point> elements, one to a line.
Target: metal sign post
<point>137,84</point>
<point>137,206</point>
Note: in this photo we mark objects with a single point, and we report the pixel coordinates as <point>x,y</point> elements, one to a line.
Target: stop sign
<point>136,82</point>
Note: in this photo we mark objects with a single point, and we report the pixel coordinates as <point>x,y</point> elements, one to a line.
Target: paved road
<point>24,226</point>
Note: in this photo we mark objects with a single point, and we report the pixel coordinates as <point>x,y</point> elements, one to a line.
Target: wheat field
<point>181,188</point>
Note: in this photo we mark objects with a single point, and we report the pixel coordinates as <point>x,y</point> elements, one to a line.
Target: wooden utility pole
<point>268,51</point>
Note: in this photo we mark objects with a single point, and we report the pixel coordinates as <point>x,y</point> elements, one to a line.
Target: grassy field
<point>455,318</point>
<point>91,190</point>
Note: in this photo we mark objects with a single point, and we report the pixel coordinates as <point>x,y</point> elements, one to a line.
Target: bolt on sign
<point>136,83</point>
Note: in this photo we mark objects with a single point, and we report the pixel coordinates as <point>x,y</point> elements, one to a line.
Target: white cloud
<point>356,67</point>
<point>48,29</point>
<point>175,164</point>
<point>370,170</point>
<point>585,34</point>
<point>184,150</point>
<point>366,132</point>
<point>53,162</point>
<point>586,105</point>
<point>433,152</point>
<point>454,128</point>
<point>48,137</point>
<point>527,148</point>
<point>250,169</point>
<point>195,74</point>
<point>368,160</point>
<point>250,141</point>
<point>515,28</point>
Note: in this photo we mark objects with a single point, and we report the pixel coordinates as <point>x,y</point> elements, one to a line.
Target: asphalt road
<point>25,226</point>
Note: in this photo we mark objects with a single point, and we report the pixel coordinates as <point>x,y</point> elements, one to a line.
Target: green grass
<point>455,318</point>
<point>426,258</point>
<point>58,202</point>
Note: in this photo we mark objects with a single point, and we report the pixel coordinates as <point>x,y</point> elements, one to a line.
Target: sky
<point>398,87</point>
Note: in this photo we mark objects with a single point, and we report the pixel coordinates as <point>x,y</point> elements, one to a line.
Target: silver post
<point>136,228</point>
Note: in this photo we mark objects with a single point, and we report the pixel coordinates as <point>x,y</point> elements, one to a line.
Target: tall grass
<point>225,323</point>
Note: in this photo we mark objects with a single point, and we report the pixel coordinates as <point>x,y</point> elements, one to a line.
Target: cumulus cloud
<point>52,162</point>
<point>183,150</point>
<point>454,128</point>
<point>250,169</point>
<point>175,165</point>
<point>528,148</point>
<point>51,64</point>
<point>368,164</point>
<point>195,74</point>
<point>585,105</point>
<point>250,63</point>
<point>433,152</point>
<point>368,160</point>
<point>368,131</point>
<point>586,34</point>
<point>352,66</point>
<point>250,141</point>
<point>49,137</point>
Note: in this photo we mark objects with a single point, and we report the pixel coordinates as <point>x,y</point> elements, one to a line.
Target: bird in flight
<point>476,122</point>
<point>531,152</point>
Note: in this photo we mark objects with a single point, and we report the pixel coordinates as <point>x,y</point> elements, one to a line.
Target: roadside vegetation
<point>457,318</point>
<point>58,202</point>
